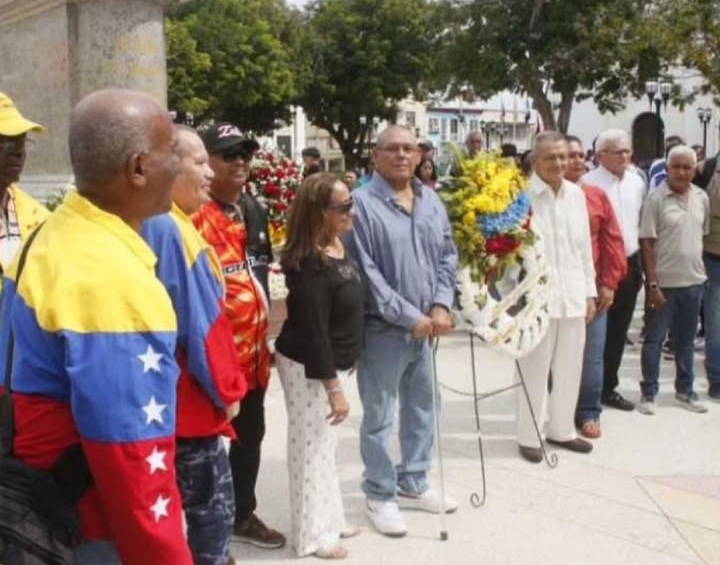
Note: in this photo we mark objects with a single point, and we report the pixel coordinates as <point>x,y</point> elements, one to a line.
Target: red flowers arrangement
<point>273,180</point>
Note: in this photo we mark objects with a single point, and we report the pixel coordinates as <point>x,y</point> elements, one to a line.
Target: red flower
<point>501,245</point>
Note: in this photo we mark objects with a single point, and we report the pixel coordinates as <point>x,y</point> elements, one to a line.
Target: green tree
<point>233,60</point>
<point>361,58</point>
<point>688,33</point>
<point>577,49</point>
<point>187,68</point>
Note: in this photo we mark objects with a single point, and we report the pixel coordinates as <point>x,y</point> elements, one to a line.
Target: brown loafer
<point>532,454</point>
<point>255,532</point>
<point>578,445</point>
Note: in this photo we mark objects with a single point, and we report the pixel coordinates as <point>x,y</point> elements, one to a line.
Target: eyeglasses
<point>9,143</point>
<point>342,207</point>
<point>617,152</point>
<point>396,149</point>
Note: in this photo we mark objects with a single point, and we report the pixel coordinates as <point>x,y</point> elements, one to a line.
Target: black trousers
<point>245,452</point>
<point>618,321</point>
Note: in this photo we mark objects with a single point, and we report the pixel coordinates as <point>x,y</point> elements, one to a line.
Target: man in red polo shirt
<point>610,269</point>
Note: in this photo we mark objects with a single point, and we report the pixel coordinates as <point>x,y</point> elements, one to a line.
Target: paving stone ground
<point>649,494</point>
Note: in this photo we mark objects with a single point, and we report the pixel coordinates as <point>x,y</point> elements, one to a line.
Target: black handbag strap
<point>7,415</point>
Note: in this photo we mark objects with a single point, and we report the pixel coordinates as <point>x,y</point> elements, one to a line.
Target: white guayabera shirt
<point>563,221</point>
<point>626,196</point>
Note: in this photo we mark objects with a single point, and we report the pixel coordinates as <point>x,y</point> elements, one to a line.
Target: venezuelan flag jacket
<point>246,304</point>
<point>94,364</point>
<point>211,377</point>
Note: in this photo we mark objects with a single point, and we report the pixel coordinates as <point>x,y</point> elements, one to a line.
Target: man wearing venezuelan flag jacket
<point>211,378</point>
<point>95,335</point>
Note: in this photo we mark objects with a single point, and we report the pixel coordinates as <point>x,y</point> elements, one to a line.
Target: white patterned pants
<point>559,352</point>
<point>316,503</point>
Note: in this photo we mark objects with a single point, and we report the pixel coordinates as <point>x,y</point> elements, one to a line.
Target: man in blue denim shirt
<point>403,243</point>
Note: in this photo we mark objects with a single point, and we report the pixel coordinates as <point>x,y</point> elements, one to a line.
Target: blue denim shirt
<point>408,259</point>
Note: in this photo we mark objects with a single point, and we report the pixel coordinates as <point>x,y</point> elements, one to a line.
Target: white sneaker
<point>646,406</point>
<point>689,400</point>
<point>386,518</point>
<point>428,501</point>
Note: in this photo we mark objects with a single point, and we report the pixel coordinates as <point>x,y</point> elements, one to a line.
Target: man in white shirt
<point>561,217</point>
<point>626,191</point>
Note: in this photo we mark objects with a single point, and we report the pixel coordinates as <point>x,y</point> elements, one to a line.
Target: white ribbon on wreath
<point>515,315</point>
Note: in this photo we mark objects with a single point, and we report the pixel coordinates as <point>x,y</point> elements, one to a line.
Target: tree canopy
<point>233,60</point>
<point>575,49</point>
<point>361,58</point>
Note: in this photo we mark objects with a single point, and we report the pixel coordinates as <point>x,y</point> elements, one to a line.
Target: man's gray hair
<point>182,130</point>
<point>100,148</point>
<point>682,151</point>
<point>380,141</point>
<point>546,137</point>
<point>612,137</point>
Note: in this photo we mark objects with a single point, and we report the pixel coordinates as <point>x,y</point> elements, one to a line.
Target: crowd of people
<point>134,319</point>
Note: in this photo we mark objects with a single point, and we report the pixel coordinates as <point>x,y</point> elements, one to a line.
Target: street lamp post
<point>658,92</point>
<point>704,115</point>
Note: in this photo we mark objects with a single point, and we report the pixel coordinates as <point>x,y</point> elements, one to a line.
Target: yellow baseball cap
<point>12,122</point>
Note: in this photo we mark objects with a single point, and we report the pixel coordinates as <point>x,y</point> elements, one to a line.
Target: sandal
<point>591,429</point>
<point>333,552</point>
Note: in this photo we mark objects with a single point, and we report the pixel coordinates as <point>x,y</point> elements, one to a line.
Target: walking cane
<point>438,441</point>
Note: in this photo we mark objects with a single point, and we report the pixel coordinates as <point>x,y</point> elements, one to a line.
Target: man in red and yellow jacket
<point>236,227</point>
<point>211,378</point>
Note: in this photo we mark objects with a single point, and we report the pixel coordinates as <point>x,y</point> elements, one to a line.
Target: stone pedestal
<point>54,52</point>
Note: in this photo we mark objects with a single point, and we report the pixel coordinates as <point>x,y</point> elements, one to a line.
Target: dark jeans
<point>245,452</point>
<point>206,488</point>
<point>680,313</point>
<point>618,321</point>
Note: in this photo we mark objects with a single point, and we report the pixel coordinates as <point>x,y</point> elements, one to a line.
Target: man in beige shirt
<point>675,219</point>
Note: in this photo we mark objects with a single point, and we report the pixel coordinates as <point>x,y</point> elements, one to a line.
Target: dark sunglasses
<point>342,207</point>
<point>231,154</point>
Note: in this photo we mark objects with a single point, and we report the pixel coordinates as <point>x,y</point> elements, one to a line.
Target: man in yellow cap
<point>19,212</point>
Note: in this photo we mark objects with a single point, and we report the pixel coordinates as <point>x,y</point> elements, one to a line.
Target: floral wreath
<point>503,280</point>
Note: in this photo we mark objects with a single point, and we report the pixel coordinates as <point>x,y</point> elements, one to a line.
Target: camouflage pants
<point>206,487</point>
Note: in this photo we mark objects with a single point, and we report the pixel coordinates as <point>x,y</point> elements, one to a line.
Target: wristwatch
<point>653,285</point>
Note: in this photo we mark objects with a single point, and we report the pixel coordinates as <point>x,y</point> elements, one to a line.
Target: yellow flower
<point>469,218</point>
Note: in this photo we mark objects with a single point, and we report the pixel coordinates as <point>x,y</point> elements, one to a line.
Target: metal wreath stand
<point>477,500</point>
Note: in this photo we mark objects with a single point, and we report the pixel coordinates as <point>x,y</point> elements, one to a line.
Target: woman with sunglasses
<point>316,351</point>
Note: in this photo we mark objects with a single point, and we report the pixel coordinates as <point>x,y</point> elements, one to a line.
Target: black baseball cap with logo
<point>224,136</point>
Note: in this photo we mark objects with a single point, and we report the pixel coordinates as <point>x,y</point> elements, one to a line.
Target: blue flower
<point>513,216</point>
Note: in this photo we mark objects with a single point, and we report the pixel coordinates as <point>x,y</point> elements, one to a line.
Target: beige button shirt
<point>626,196</point>
<point>678,226</point>
<point>562,220</point>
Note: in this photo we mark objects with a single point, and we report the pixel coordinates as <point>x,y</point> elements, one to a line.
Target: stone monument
<point>54,52</point>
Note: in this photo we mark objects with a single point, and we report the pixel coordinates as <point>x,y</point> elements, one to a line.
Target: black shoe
<point>615,400</point>
<point>578,445</point>
<point>532,454</point>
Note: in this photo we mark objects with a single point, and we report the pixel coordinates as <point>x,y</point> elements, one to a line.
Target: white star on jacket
<point>151,360</point>
<point>153,410</point>
<point>160,508</point>
<point>156,460</point>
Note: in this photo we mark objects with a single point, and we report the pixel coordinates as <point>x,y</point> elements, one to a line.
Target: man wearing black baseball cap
<point>236,225</point>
